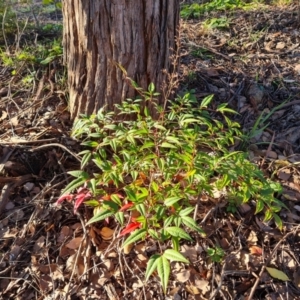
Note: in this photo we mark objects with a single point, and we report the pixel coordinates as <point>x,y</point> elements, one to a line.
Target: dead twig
<point>57,145</point>
<point>27,142</point>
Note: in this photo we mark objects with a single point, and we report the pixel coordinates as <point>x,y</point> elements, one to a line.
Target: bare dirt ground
<point>46,252</point>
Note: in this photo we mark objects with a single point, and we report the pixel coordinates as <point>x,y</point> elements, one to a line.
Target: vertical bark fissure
<point>100,33</point>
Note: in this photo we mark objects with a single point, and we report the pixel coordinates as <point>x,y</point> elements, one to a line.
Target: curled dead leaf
<point>106,233</point>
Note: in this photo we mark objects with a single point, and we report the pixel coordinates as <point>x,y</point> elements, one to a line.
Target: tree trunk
<point>139,35</point>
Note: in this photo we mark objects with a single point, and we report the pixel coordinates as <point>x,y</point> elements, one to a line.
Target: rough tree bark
<point>140,35</point>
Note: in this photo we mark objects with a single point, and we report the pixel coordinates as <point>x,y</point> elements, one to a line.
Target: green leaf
<point>147,145</point>
<point>100,216</point>
<point>178,232</point>
<point>135,236</point>
<point>259,206</point>
<point>175,243</point>
<point>277,274</point>
<point>116,199</point>
<point>146,111</point>
<point>47,60</point>
<point>120,217</point>
<point>172,200</point>
<point>84,152</point>
<point>141,209</point>
<point>177,221</point>
<point>110,127</point>
<point>151,265</point>
<point>154,234</point>
<point>173,140</point>
<point>154,186</point>
<point>189,222</point>
<point>79,173</point>
<point>188,121</point>
<point>168,145</point>
<point>92,186</point>
<point>74,185</point>
<point>130,194</point>
<point>92,202</point>
<point>169,220</point>
<point>113,144</point>
<point>223,108</point>
<point>151,87</point>
<point>163,270</point>
<point>278,221</point>
<point>111,205</point>
<point>92,144</point>
<point>160,212</point>
<point>186,211</point>
<point>173,255</point>
<point>206,101</point>
<point>159,126</point>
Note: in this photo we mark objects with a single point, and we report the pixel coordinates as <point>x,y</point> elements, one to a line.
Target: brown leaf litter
<point>49,253</point>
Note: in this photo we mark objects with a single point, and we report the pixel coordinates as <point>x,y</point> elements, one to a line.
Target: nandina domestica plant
<point>149,173</point>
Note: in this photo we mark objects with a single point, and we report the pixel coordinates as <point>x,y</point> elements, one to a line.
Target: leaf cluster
<point>148,173</point>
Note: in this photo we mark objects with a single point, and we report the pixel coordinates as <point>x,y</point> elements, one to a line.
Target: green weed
<point>195,10</point>
<point>216,254</point>
<point>216,23</point>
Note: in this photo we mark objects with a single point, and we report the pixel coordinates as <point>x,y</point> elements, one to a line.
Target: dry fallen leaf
<point>65,251</point>
<point>252,238</point>
<point>46,283</point>
<point>202,285</point>
<point>127,248</point>
<point>70,263</point>
<point>39,245</point>
<point>192,289</point>
<point>107,233</point>
<point>14,121</point>
<point>244,208</point>
<point>280,45</point>
<point>284,174</point>
<point>255,250</point>
<point>189,252</point>
<point>74,243</point>
<point>14,252</point>
<point>183,276</point>
<point>65,232</point>
<point>3,114</point>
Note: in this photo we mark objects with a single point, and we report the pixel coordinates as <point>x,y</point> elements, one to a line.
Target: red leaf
<point>106,197</point>
<point>80,198</point>
<point>126,206</point>
<point>172,209</point>
<point>130,227</point>
<point>67,197</point>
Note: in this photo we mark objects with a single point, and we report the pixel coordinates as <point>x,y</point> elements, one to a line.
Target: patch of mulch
<point>47,252</point>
